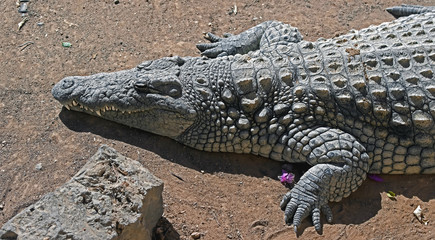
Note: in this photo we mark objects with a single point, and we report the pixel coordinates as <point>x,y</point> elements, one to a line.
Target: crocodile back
<point>382,75</point>
<point>378,84</point>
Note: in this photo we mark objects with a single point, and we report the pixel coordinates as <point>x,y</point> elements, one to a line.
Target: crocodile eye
<point>159,86</point>
<point>144,87</point>
<point>140,86</point>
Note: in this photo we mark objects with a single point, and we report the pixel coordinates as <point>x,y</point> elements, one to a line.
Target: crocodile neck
<point>245,105</point>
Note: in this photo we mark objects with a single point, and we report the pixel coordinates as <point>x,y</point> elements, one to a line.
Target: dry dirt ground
<point>221,196</point>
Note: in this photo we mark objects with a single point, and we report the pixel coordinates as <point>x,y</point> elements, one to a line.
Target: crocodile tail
<point>406,10</point>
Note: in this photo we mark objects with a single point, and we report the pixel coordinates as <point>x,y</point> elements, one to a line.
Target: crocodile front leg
<point>263,35</point>
<point>340,164</point>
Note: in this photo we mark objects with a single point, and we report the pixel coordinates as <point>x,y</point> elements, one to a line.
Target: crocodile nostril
<point>64,88</point>
<point>67,83</point>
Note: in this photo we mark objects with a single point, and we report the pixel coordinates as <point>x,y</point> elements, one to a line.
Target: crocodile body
<point>351,105</point>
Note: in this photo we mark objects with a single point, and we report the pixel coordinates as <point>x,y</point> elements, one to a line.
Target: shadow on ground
<point>165,231</point>
<point>171,150</point>
<point>358,208</point>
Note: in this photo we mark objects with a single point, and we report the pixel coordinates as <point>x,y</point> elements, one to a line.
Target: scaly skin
<point>355,104</point>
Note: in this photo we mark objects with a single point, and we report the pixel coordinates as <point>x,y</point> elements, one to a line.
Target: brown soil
<point>220,196</point>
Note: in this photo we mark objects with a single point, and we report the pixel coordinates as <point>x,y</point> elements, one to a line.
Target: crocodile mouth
<point>76,106</point>
<point>160,119</point>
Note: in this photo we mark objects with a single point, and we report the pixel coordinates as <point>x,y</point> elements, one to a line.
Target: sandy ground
<point>221,196</point>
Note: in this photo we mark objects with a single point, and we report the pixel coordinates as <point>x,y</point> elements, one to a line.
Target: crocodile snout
<point>67,83</point>
<point>63,89</point>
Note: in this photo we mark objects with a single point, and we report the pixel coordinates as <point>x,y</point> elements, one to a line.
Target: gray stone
<point>111,197</point>
<point>38,166</point>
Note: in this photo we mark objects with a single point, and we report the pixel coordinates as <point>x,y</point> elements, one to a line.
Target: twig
<point>25,45</point>
<point>21,24</point>
<point>215,218</point>
<point>173,174</point>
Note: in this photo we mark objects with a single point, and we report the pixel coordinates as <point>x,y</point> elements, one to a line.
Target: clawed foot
<point>263,35</point>
<point>219,46</point>
<point>300,202</point>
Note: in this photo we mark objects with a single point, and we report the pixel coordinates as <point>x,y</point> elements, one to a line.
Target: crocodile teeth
<point>74,103</point>
<point>67,107</point>
<point>108,108</point>
<point>98,112</point>
<point>103,109</point>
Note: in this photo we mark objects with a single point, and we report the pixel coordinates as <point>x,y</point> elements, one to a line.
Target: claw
<point>212,53</point>
<point>212,38</point>
<point>316,220</point>
<point>328,213</point>
<point>285,200</point>
<point>205,46</point>
<point>301,213</point>
<point>289,211</point>
<point>211,50</point>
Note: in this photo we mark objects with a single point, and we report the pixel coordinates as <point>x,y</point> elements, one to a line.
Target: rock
<point>38,166</point>
<point>23,8</point>
<point>195,235</point>
<point>111,197</point>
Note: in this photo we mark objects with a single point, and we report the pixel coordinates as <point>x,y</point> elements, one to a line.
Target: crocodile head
<point>149,97</point>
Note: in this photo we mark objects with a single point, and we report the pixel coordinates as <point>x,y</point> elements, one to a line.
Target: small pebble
<point>40,24</point>
<point>2,206</point>
<point>196,235</point>
<point>38,166</point>
<point>23,8</point>
<point>116,1</point>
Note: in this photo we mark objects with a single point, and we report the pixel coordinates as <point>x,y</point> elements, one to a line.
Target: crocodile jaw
<point>112,96</point>
<point>155,120</point>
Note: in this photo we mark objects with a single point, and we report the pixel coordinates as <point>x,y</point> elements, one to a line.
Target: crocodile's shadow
<point>358,208</point>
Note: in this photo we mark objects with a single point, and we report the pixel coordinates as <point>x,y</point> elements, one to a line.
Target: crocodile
<point>356,104</point>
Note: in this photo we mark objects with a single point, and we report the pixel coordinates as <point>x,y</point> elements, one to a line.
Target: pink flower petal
<point>375,177</point>
<point>286,178</point>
